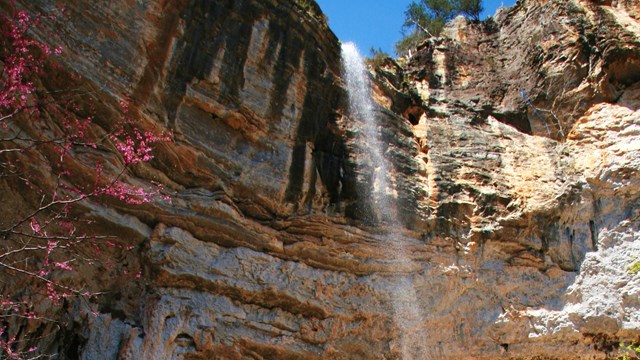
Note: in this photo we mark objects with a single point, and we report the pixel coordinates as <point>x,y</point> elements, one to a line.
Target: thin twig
<point>22,249</point>
<point>55,237</point>
<point>41,278</point>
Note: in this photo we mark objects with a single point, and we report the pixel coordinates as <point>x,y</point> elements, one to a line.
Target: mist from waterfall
<point>407,313</point>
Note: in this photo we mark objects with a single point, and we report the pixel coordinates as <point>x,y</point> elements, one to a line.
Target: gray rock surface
<point>519,220</point>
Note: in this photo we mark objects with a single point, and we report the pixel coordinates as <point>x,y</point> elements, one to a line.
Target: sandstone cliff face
<point>516,154</point>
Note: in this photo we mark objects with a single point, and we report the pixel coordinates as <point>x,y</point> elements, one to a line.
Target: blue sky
<point>376,23</point>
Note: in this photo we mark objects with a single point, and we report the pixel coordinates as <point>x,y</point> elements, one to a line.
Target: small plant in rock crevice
<point>629,351</point>
<point>311,10</point>
<point>635,267</point>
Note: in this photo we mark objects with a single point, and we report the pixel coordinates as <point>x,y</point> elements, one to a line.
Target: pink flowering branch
<point>40,128</point>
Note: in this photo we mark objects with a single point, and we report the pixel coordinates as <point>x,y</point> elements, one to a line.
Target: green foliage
<point>409,41</point>
<point>629,351</point>
<point>440,8</point>
<point>635,267</point>
<point>305,4</point>
<point>470,8</point>
<point>377,57</point>
<point>312,9</point>
<point>426,18</point>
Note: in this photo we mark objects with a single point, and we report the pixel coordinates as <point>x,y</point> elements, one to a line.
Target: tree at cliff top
<point>44,141</point>
<point>427,18</point>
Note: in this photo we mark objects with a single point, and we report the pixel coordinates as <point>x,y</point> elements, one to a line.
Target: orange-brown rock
<point>515,146</point>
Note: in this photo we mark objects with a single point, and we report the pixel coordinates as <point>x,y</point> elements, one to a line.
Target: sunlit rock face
<point>515,154</point>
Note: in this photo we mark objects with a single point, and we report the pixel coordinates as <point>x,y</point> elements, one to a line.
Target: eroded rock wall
<point>515,151</point>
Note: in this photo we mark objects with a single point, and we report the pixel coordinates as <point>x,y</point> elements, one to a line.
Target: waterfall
<point>407,313</point>
<point>361,107</point>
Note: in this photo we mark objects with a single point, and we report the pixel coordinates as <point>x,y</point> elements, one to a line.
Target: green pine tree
<point>427,18</point>
<point>470,8</point>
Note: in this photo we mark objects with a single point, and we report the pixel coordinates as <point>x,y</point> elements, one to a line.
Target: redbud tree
<point>50,167</point>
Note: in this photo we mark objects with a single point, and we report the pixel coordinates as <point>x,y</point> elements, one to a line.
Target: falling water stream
<point>407,313</point>
<point>361,107</point>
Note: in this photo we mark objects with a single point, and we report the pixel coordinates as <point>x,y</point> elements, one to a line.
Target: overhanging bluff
<point>514,147</point>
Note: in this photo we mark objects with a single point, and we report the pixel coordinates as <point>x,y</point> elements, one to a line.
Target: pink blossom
<point>63,265</point>
<point>52,294</point>
<point>35,226</point>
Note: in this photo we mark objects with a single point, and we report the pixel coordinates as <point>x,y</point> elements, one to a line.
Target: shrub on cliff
<point>377,57</point>
<point>313,10</point>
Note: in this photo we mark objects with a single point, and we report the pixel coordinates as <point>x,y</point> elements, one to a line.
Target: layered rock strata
<point>515,147</point>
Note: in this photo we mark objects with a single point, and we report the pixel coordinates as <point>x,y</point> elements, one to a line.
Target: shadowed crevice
<point>212,27</point>
<point>292,47</point>
<point>317,114</point>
